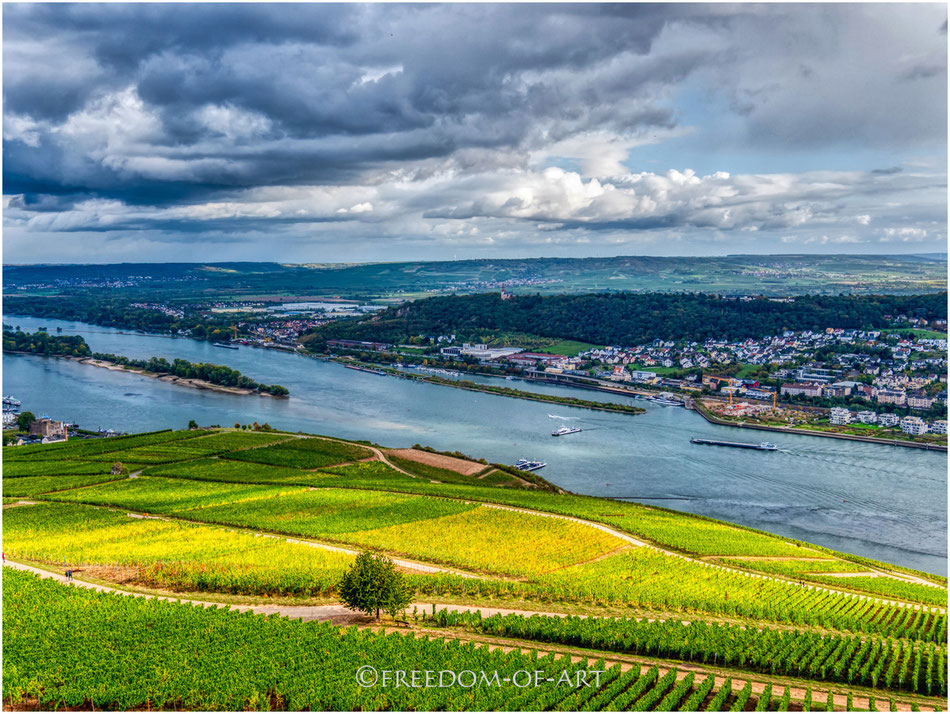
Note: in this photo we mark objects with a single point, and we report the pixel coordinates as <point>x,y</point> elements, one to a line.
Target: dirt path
<point>306,613</point>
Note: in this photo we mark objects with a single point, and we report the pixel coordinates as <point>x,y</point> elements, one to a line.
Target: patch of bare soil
<point>450,463</point>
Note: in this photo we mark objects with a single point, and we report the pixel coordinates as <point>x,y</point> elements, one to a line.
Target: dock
<point>365,369</point>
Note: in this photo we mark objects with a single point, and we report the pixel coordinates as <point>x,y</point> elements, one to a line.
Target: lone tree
<point>192,424</point>
<point>372,584</point>
<point>24,420</point>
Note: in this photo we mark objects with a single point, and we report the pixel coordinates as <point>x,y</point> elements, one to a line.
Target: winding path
<point>620,535</point>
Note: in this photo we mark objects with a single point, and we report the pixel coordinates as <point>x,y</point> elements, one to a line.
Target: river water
<point>883,502</point>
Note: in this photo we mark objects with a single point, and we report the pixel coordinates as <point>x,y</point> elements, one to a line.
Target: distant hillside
<point>759,274</point>
<point>627,318</point>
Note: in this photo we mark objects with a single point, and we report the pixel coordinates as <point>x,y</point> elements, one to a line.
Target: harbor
<point>837,493</point>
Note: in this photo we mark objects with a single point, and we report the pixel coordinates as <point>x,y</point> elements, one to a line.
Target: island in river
<point>201,375</point>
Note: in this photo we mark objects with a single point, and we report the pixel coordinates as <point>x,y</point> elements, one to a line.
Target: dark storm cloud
<point>178,118</point>
<point>419,81</point>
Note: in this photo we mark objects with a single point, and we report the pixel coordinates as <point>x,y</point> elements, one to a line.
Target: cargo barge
<point>763,446</point>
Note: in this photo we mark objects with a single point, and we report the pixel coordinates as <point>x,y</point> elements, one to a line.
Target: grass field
<point>212,500</point>
<point>569,348</point>
<point>658,370</point>
<point>916,332</point>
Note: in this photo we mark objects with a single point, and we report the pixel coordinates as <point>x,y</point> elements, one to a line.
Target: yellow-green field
<point>247,516</point>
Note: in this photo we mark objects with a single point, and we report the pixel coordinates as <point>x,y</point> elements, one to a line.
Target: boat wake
<point>563,418</point>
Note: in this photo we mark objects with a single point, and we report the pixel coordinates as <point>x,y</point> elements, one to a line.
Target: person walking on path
<point>69,575</point>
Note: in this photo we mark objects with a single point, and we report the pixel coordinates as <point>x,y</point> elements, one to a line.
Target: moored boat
<point>528,465</point>
<point>666,399</point>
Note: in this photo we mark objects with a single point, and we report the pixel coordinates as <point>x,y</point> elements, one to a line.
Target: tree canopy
<point>372,584</point>
<point>631,318</point>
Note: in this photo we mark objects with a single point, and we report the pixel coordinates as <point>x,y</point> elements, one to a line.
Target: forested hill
<point>630,318</point>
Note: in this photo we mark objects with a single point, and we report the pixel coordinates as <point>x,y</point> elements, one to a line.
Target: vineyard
<point>492,540</point>
<point>170,554</point>
<point>84,449</point>
<point>35,485</point>
<point>305,453</point>
<point>128,653</point>
<point>220,515</point>
<point>13,469</point>
<point>489,539</point>
<point>796,568</point>
<point>647,579</point>
<point>893,664</point>
<point>159,495</point>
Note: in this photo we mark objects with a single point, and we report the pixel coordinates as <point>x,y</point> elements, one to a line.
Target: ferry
<point>10,401</point>
<point>509,378</point>
<point>762,446</point>
<point>528,465</point>
<point>666,399</point>
<point>564,430</point>
<point>225,345</point>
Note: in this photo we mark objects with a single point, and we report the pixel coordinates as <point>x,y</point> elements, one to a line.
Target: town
<point>845,380</point>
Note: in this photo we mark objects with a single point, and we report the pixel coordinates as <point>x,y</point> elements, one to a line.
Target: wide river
<point>884,502</point>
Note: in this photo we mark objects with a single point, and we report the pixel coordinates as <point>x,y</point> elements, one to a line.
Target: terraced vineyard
<point>35,485</point>
<point>305,453</point>
<point>284,664</point>
<point>915,667</point>
<point>709,616</point>
<point>170,554</point>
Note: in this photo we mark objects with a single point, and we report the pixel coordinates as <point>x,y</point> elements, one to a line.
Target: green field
<point>252,517</point>
<point>916,332</point>
<point>569,348</point>
<point>663,371</point>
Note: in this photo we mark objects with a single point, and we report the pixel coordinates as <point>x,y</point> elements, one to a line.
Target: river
<point>883,502</point>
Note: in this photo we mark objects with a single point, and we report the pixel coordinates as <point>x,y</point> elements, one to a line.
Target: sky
<point>376,132</point>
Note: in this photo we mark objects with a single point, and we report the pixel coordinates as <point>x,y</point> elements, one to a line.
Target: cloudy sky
<point>311,133</point>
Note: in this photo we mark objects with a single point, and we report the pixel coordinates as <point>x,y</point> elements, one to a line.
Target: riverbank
<point>172,379</point>
<point>701,409</point>
<point>490,389</point>
<point>169,378</point>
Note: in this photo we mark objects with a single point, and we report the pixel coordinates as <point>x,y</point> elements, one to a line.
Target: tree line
<point>213,373</point>
<point>75,346</point>
<point>631,318</point>
<point>117,313</point>
<point>43,343</point>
